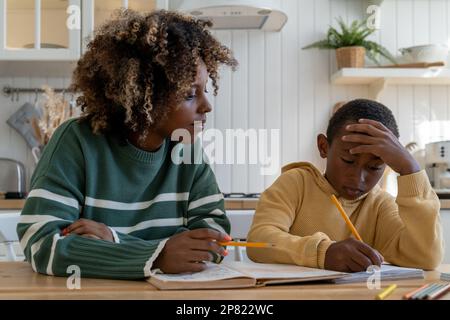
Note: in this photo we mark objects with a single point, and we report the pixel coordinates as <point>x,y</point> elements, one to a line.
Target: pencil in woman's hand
<point>247,244</point>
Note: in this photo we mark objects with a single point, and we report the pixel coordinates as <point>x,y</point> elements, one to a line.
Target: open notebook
<point>241,275</point>
<point>387,272</point>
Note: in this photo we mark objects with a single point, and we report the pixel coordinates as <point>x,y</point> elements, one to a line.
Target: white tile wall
<point>280,86</point>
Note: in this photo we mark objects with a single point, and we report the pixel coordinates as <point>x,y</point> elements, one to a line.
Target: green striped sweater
<point>143,197</point>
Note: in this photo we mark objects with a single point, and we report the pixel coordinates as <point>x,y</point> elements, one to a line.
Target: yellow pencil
<point>247,244</point>
<point>344,215</point>
<point>386,292</point>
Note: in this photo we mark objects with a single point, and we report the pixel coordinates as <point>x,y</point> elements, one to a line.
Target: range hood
<point>265,15</point>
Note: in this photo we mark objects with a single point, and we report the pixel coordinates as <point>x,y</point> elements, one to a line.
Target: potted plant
<point>351,45</point>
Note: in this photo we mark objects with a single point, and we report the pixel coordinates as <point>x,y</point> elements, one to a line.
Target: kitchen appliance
<point>12,179</point>
<point>263,15</point>
<point>437,165</point>
<point>427,53</point>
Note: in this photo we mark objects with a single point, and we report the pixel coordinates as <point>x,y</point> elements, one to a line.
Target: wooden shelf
<point>378,78</point>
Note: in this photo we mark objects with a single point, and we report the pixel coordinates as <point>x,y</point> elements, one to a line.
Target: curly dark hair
<point>137,63</point>
<point>357,109</point>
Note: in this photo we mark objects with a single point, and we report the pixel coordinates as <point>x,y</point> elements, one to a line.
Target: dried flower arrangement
<point>56,109</point>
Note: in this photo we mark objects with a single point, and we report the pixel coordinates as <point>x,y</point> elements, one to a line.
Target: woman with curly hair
<point>106,195</point>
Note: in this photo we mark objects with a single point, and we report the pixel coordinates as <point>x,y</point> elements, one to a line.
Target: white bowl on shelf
<point>425,53</point>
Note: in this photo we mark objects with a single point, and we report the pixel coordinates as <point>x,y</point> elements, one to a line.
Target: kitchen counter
<point>14,204</point>
<point>234,204</point>
<point>241,204</point>
<point>445,204</point>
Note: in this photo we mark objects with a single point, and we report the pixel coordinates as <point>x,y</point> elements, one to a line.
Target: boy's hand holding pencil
<point>350,255</point>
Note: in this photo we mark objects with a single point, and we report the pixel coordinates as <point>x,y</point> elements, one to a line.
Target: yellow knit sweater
<point>297,214</point>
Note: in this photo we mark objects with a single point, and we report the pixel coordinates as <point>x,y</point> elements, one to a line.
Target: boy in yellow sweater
<point>297,215</point>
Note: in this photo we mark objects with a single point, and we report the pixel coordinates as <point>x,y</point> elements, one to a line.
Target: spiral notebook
<point>241,275</point>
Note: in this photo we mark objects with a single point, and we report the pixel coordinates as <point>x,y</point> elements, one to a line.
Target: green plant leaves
<point>354,34</point>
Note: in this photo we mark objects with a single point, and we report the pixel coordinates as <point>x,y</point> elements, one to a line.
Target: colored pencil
<point>386,292</point>
<point>247,244</point>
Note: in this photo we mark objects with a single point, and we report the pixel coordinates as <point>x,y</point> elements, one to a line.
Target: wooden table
<point>18,281</point>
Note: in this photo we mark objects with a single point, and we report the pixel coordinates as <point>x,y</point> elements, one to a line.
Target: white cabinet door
<point>9,246</point>
<point>241,221</point>
<point>40,30</point>
<point>96,12</point>
<point>445,220</point>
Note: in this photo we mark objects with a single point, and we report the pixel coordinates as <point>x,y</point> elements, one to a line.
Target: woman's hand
<point>90,229</point>
<point>187,251</point>
<point>373,137</point>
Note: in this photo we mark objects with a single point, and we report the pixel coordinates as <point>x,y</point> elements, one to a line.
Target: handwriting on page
<point>278,271</point>
<point>211,273</point>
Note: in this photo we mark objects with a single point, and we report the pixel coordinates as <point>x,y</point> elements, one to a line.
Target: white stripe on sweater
<point>31,231</point>
<point>56,237</point>
<point>214,225</point>
<point>148,265</point>
<point>35,249</point>
<point>206,200</point>
<point>33,218</point>
<point>114,234</point>
<point>45,194</point>
<point>215,212</point>
<point>151,223</point>
<point>115,205</point>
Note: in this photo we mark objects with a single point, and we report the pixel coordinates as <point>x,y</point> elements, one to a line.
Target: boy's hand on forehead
<point>373,137</point>
<point>187,251</point>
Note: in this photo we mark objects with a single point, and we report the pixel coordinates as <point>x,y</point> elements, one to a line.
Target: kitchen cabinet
<point>445,221</point>
<point>56,30</point>
<point>240,221</point>
<point>96,12</point>
<point>9,245</point>
<point>38,30</point>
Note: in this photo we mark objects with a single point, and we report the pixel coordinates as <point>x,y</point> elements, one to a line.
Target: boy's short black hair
<point>357,109</point>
